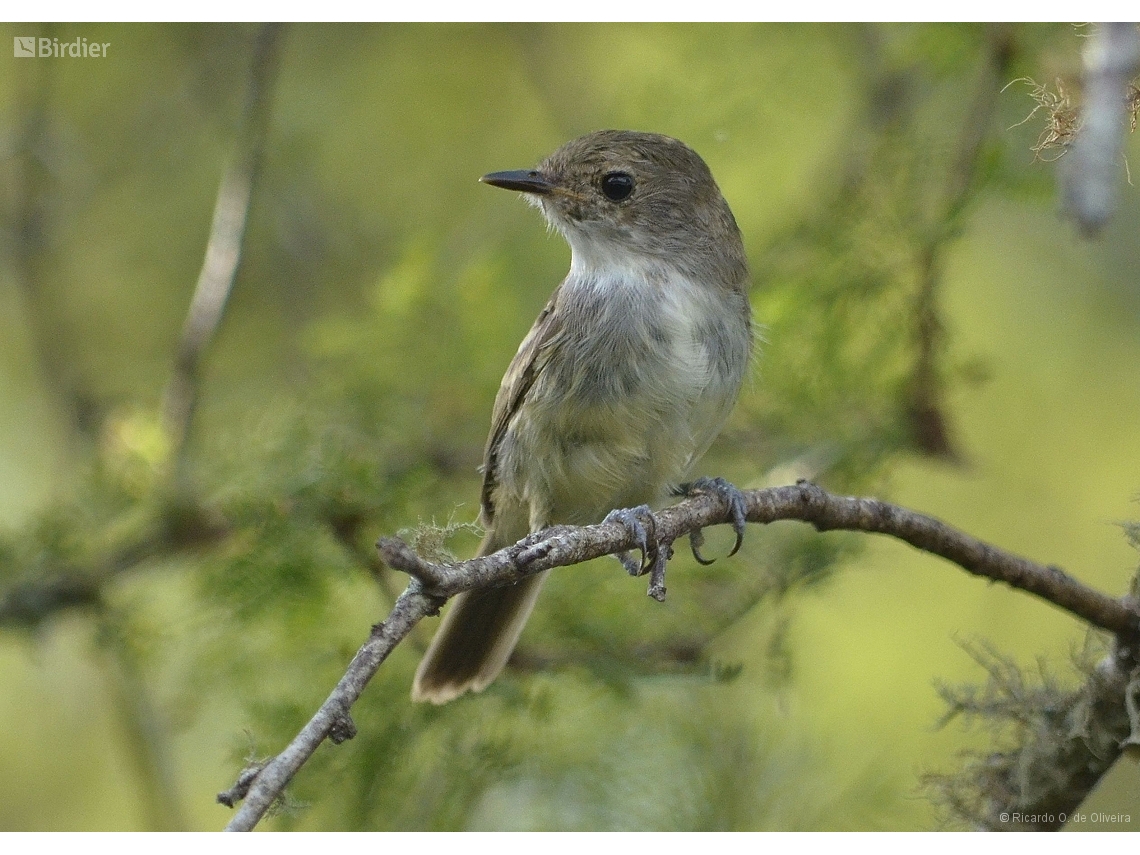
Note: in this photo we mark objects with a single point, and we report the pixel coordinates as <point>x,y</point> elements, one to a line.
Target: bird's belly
<point>582,447</point>
<point>624,404</point>
<point>610,457</point>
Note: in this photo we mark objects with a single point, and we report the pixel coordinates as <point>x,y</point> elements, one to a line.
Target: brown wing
<point>520,376</point>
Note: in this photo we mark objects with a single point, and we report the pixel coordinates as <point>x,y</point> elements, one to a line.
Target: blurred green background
<point>876,174</point>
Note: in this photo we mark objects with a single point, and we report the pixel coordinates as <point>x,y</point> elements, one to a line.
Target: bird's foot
<point>737,506</point>
<point>639,523</point>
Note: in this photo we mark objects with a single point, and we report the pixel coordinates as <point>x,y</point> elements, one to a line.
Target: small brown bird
<point>622,383</point>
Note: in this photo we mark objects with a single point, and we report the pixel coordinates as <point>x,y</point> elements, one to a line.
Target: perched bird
<point>622,383</point>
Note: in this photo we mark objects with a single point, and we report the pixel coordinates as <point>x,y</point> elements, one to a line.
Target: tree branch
<point>177,524</point>
<point>35,194</point>
<point>929,424</point>
<point>227,231</point>
<point>560,546</point>
<point>1064,741</point>
<point>147,739</point>
<point>261,789</point>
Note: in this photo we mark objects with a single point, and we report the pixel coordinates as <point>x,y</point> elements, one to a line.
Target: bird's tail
<point>476,637</point>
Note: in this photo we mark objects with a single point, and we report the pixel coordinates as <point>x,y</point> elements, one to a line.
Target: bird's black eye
<point>617,185</point>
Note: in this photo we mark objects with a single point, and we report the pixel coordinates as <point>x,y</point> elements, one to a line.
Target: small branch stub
<point>237,792</point>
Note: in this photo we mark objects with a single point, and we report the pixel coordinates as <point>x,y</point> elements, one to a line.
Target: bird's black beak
<point>523,180</point>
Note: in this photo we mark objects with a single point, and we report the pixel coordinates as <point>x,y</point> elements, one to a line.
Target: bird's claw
<point>737,506</point>
<point>638,522</point>
<point>696,541</point>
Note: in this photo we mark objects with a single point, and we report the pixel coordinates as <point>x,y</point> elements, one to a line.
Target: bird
<point>624,380</point>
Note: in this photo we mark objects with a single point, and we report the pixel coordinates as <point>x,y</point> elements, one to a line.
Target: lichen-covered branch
<point>560,546</point>
<point>1092,177</point>
<point>1062,742</point>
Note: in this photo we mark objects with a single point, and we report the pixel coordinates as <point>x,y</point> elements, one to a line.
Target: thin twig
<point>227,230</point>
<point>561,546</point>
<point>148,741</point>
<point>930,428</point>
<point>35,194</point>
<point>332,719</point>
